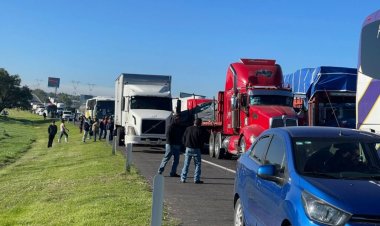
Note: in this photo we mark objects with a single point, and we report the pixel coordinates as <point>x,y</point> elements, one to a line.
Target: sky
<point>89,43</point>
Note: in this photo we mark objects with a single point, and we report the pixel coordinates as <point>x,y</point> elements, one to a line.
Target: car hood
<point>355,196</point>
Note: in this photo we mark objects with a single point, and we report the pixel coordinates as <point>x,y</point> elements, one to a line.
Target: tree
<point>12,95</point>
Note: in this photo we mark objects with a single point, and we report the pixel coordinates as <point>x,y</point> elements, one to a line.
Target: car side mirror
<point>268,172</point>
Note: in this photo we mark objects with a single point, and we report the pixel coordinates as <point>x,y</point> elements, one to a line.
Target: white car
<point>67,115</point>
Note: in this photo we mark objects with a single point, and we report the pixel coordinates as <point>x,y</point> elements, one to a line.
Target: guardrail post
<point>128,161</point>
<point>114,145</point>
<point>107,136</point>
<point>158,200</point>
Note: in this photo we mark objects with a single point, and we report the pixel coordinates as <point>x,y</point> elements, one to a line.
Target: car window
<point>276,155</point>
<point>260,148</point>
<point>337,157</point>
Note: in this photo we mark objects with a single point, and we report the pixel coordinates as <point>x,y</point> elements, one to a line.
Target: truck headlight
<point>320,211</point>
<point>131,131</point>
<point>252,139</point>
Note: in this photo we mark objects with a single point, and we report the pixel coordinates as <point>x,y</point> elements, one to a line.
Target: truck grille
<point>153,126</point>
<point>279,122</point>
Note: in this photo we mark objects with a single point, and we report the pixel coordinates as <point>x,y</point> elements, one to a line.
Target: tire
<point>219,151</point>
<point>242,146</point>
<point>238,214</point>
<point>211,145</point>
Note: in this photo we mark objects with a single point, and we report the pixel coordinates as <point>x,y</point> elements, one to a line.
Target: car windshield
<point>337,158</point>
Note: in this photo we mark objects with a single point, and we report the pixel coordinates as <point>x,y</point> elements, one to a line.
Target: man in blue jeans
<point>194,138</point>
<point>173,146</point>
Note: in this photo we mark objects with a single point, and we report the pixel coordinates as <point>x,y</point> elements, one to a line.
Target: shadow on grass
<point>10,120</point>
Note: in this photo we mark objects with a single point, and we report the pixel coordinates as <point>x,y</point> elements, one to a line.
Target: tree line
<point>13,95</point>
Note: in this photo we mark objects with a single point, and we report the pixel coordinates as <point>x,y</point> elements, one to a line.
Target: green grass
<point>72,183</point>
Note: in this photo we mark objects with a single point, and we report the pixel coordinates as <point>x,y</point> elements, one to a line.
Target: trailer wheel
<point>219,151</point>
<point>211,145</point>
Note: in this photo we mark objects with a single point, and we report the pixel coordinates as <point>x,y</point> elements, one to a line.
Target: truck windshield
<point>330,114</point>
<point>270,100</point>
<point>156,103</point>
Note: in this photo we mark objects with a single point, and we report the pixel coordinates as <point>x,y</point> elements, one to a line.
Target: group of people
<point>193,139</point>
<point>96,128</point>
<point>92,128</point>
<point>52,131</point>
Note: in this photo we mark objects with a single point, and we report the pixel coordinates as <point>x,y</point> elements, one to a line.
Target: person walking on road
<point>172,147</point>
<point>52,130</point>
<point>194,138</point>
<point>63,132</point>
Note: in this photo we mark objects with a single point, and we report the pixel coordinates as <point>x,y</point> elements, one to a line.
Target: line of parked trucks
<point>256,96</point>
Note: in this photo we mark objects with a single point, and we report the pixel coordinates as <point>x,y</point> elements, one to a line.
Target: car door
<point>254,160</point>
<point>270,194</point>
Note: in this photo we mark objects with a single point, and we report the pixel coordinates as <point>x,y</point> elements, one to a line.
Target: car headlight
<point>320,211</point>
<point>131,131</point>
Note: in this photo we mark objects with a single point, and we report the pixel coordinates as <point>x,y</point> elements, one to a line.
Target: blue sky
<point>92,41</point>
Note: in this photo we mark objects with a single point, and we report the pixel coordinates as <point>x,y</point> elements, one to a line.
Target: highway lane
<point>210,203</point>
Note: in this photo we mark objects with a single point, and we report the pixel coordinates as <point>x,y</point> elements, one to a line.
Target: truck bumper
<point>146,140</point>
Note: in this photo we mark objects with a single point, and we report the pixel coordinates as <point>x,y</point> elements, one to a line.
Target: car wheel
<point>211,145</point>
<point>238,214</point>
<point>219,151</point>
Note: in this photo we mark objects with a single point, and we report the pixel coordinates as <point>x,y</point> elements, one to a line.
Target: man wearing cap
<point>173,146</point>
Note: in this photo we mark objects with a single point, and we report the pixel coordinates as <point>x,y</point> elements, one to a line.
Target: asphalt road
<point>208,204</point>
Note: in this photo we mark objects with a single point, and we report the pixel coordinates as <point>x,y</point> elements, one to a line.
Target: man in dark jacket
<point>173,146</point>
<point>52,130</point>
<point>193,139</point>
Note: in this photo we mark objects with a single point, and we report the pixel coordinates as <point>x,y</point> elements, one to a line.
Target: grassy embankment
<point>72,183</point>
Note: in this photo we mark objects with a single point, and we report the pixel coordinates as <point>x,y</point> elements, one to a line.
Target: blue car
<point>309,176</point>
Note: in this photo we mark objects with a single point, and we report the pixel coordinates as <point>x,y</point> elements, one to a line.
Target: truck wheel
<point>219,151</point>
<point>242,146</point>
<point>211,145</point>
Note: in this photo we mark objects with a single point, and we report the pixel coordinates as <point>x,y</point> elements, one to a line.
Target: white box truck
<point>143,108</point>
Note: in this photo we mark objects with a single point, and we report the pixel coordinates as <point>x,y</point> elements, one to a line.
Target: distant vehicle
<point>324,96</point>
<point>368,86</point>
<point>51,110</point>
<point>40,110</point>
<point>67,115</point>
<point>143,108</point>
<point>99,107</point>
<point>309,176</point>
<point>59,111</point>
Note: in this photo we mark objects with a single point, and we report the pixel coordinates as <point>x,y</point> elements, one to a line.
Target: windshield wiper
<point>319,174</point>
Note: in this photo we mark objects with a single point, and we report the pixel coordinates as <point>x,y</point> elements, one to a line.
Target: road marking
<point>219,166</point>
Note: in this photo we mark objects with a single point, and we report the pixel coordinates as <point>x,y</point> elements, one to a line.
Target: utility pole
<point>75,86</point>
<point>90,87</point>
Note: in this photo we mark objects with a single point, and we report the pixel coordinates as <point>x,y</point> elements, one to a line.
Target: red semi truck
<point>254,99</point>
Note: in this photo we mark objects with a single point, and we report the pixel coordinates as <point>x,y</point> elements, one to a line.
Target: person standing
<point>63,132</point>
<point>52,130</point>
<point>95,128</point>
<point>102,128</point>
<point>110,126</point>
<point>193,139</point>
<point>81,120</point>
<point>86,129</point>
<point>173,146</point>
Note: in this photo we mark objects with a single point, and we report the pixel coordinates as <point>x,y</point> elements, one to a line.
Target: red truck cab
<point>254,99</point>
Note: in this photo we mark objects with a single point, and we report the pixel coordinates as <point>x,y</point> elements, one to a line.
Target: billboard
<point>53,82</point>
